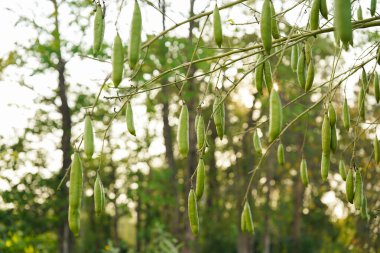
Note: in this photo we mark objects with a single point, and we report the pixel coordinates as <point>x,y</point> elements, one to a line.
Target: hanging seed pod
<point>332,115</point>
<point>196,121</point>
<point>88,137</point>
<point>200,179</point>
<point>219,115</point>
<point>364,209</point>
<point>376,87</point>
<point>359,13</point>
<point>342,170</point>
<point>268,75</point>
<point>275,115</point>
<point>248,218</point>
<point>103,198</point>
<point>280,154</point>
<point>323,9</point>
<point>294,58</point>
<point>75,194</point>
<point>201,132</point>
<point>98,29</point>
<point>135,37</point>
<point>376,149</point>
<point>373,7</point>
<point>129,118</point>
<point>342,19</point>
<point>361,104</point>
<point>98,196</point>
<point>218,34</point>
<point>350,186</point>
<point>365,81</point>
<point>358,196</point>
<point>346,115</point>
<point>301,73</point>
<point>303,172</point>
<point>183,131</point>
<point>334,139</point>
<point>266,26</point>
<point>325,166</point>
<point>314,15</point>
<point>259,74</point>
<point>326,135</point>
<point>310,76</point>
<point>193,212</point>
<point>243,223</point>
<point>336,35</point>
<point>257,143</point>
<point>275,31</point>
<point>308,53</point>
<point>117,61</point>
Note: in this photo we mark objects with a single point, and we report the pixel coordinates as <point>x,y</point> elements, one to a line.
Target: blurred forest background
<point>145,180</point>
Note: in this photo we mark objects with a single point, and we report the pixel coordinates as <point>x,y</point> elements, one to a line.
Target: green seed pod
<point>314,15</point>
<point>342,170</point>
<point>275,115</point>
<point>336,35</point>
<point>360,13</point>
<point>88,137</point>
<point>117,61</point>
<point>323,9</point>
<point>259,73</point>
<point>103,197</point>
<point>373,7</point>
<point>248,218</point>
<point>193,212</point>
<point>280,154</point>
<point>183,131</point>
<point>266,26</point>
<point>342,16</point>
<point>376,87</point>
<point>346,115</point>
<point>332,114</point>
<point>326,135</point>
<point>361,104</point>
<point>358,196</point>
<point>129,118</point>
<point>294,58</point>
<point>364,209</point>
<point>268,75</point>
<point>201,132</point>
<point>350,186</point>
<point>308,53</point>
<point>365,80</point>
<point>219,115</point>
<point>334,139</point>
<point>74,221</point>
<point>257,143</point>
<point>75,194</point>
<point>376,149</point>
<point>325,166</point>
<point>218,35</point>
<point>200,179</point>
<point>309,77</point>
<point>98,29</point>
<point>135,37</point>
<point>303,172</point>
<point>98,195</point>
<point>275,31</point>
<point>243,223</point>
<point>301,73</point>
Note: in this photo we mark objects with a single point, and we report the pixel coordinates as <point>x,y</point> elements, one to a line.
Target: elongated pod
<point>117,61</point>
<point>326,135</point>
<point>193,212</point>
<point>303,172</point>
<point>342,16</point>
<point>88,137</point>
<point>350,186</point>
<point>183,131</point>
<point>358,196</point>
<point>259,74</point>
<point>257,143</point>
<point>346,115</point>
<point>75,194</point>
<point>218,34</point>
<point>98,29</point>
<point>342,170</point>
<point>129,119</point>
<point>275,30</point>
<point>219,114</point>
<point>314,15</point>
<point>200,179</point>
<point>135,37</point>
<point>266,26</point>
<point>275,115</point>
<point>280,154</point>
<point>201,132</point>
<point>294,58</point>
